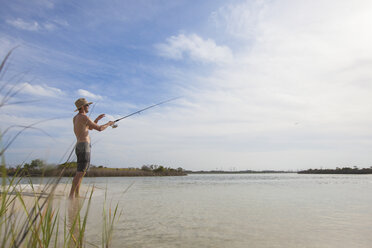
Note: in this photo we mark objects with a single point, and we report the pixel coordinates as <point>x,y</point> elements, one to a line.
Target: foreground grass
<point>36,220</point>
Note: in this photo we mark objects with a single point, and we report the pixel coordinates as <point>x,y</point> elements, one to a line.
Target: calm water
<point>247,210</point>
<point>250,210</point>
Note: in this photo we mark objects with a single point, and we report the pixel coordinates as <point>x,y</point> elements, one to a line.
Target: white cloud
<point>37,90</point>
<point>49,26</point>
<point>54,24</point>
<point>37,26</point>
<point>89,95</point>
<point>60,22</point>
<point>296,87</point>
<point>240,20</point>
<point>21,24</point>
<point>198,49</point>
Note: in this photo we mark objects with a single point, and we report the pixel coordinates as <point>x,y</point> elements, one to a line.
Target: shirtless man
<point>82,125</point>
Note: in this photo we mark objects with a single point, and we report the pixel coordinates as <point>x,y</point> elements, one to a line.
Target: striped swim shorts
<point>82,151</point>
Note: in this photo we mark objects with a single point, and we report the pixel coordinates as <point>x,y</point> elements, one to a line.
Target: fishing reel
<point>114,126</point>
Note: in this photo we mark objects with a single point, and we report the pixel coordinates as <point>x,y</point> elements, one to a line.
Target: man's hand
<point>110,123</point>
<point>99,118</point>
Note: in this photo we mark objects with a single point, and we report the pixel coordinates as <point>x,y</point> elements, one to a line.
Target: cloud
<point>37,90</point>
<point>297,87</point>
<point>21,24</point>
<point>34,26</point>
<point>88,94</point>
<point>45,3</point>
<point>60,22</point>
<point>198,49</point>
<point>52,25</point>
<point>49,26</point>
<point>240,20</point>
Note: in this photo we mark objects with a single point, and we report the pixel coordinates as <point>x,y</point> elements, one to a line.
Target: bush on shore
<point>38,167</point>
<point>344,170</point>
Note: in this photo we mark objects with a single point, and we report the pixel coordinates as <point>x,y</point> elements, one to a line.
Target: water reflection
<point>74,221</point>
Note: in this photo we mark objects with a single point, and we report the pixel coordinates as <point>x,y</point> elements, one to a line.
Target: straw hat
<point>80,103</point>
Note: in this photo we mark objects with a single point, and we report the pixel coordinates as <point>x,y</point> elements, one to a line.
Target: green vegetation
<point>29,219</point>
<point>38,167</point>
<point>344,170</point>
<point>144,171</point>
<point>236,172</point>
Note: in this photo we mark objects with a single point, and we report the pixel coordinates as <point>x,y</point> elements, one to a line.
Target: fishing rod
<point>141,110</point>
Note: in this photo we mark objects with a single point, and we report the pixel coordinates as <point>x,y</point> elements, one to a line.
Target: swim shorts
<point>82,151</point>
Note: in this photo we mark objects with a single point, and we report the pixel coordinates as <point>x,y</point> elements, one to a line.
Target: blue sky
<point>282,85</point>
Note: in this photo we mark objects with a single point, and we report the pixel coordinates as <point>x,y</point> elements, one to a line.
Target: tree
<point>159,169</point>
<point>145,168</point>
<point>36,164</point>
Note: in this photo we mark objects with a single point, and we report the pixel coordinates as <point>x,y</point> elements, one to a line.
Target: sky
<point>264,84</point>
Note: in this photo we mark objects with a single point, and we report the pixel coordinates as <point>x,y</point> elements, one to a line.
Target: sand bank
<point>30,194</point>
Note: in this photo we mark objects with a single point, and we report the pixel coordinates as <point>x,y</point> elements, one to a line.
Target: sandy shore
<point>40,192</point>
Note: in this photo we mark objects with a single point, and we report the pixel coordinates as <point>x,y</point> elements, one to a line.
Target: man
<point>82,125</point>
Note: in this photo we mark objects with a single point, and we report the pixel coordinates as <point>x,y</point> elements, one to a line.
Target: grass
<point>35,219</point>
<point>41,223</point>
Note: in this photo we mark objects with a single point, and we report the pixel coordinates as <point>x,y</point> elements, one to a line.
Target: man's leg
<point>77,190</point>
<point>76,184</point>
<point>83,159</point>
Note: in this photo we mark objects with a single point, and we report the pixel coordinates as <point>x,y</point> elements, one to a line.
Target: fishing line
<point>141,110</point>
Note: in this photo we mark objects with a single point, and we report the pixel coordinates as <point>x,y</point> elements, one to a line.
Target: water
<point>241,210</point>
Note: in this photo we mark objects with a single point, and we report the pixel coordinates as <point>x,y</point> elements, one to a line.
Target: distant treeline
<point>39,168</point>
<point>344,170</point>
<point>236,172</point>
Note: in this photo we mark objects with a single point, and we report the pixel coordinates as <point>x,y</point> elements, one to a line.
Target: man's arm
<point>97,119</point>
<point>92,125</point>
